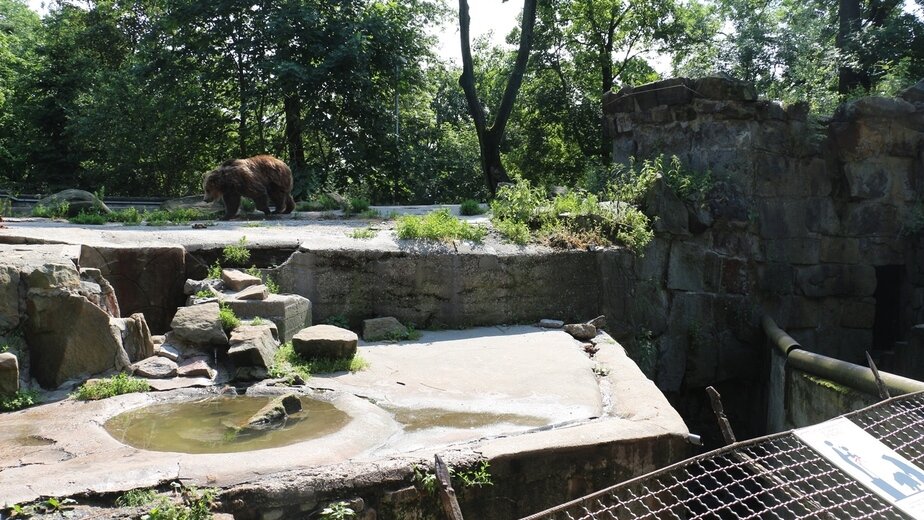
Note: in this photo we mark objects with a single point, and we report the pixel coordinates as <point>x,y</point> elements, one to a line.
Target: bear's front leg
<point>261,201</point>
<point>232,204</point>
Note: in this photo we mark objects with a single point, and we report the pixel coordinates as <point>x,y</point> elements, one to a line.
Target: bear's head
<point>210,185</point>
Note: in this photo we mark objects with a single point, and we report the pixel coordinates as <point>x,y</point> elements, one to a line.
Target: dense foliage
<point>142,97</point>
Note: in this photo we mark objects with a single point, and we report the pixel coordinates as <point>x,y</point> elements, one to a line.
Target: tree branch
<point>519,67</point>
<point>467,79</point>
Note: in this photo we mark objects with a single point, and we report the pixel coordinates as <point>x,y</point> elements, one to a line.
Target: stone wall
<point>812,220</point>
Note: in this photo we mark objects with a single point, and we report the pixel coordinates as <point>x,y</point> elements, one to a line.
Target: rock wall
<point>815,221</point>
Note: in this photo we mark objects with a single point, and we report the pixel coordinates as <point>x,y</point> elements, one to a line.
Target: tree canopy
<point>141,97</point>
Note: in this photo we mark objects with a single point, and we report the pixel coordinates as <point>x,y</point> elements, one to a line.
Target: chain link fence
<point>774,477</point>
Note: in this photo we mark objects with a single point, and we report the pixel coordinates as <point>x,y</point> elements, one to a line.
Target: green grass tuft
<point>229,320</point>
<point>287,363</point>
<point>471,207</point>
<point>438,225</point>
<point>111,386</point>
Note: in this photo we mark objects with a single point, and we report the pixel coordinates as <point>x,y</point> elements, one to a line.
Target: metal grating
<point>774,477</point>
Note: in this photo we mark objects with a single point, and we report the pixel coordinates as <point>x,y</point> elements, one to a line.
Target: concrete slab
<point>499,392</point>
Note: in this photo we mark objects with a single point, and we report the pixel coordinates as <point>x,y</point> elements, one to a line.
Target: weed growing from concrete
<point>337,511</point>
<point>478,476</point>
<point>236,254</point>
<point>174,216</point>
<point>268,281</point>
<point>438,225</point>
<point>229,320</point>
<point>409,333</point>
<point>214,271</point>
<point>111,386</point>
<point>127,216</point>
<point>363,233</point>
<point>21,399</point>
<point>287,364</point>
<point>471,207</point>
<point>136,498</point>
<point>88,218</point>
<point>194,504</point>
<point>57,210</point>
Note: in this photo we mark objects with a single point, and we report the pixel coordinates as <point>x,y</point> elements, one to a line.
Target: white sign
<point>894,478</point>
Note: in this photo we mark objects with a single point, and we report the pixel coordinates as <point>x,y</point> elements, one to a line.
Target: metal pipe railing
<point>848,374</point>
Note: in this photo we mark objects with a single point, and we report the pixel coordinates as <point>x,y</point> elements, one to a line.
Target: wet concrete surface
<point>491,390</point>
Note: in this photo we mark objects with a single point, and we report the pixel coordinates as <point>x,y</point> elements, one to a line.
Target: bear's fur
<point>262,178</point>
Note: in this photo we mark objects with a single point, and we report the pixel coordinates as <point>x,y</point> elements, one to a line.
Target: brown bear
<point>262,178</point>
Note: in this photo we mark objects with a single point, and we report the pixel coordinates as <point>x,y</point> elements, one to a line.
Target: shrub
<point>356,205</point>
<point>21,399</point>
<point>126,216</point>
<point>229,320</point>
<point>337,511</point>
<point>214,271</point>
<point>471,207</point>
<point>575,219</point>
<point>56,210</point>
<point>90,218</point>
<point>236,254</point>
<point>175,216</point>
<point>287,364</point>
<point>438,225</point>
<point>111,386</point>
<point>362,233</point>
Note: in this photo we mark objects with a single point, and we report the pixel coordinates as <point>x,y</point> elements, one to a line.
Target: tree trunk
<point>849,16</point>
<point>292,105</point>
<point>242,111</point>
<point>489,138</point>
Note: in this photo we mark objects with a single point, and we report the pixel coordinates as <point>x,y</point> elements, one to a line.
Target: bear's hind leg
<point>290,203</point>
<point>279,202</point>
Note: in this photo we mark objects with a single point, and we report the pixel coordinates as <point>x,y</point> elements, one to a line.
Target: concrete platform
<point>506,373</point>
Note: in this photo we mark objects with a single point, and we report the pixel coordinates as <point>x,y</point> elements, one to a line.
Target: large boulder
<point>253,346</point>
<point>68,337</point>
<point>155,367</point>
<point>146,279</point>
<point>325,341</point>
<point>199,324</point>
<point>9,374</point>
<point>76,200</point>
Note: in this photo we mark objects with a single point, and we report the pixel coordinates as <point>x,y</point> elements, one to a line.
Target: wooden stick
<point>447,494</point>
<point>719,411</point>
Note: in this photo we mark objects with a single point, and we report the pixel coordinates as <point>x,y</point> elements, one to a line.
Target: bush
<point>236,254</point>
<point>58,210</point>
<point>89,218</point>
<point>229,320</point>
<point>21,399</point>
<point>576,219</point>
<point>322,202</point>
<point>111,386</point>
<point>357,205</point>
<point>471,207</point>
<point>288,364</point>
<point>437,225</point>
<point>126,216</point>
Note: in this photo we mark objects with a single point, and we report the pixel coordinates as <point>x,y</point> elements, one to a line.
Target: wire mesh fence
<point>774,477</point>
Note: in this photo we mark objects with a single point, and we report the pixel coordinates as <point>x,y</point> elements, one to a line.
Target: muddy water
<point>423,418</point>
<point>207,426</point>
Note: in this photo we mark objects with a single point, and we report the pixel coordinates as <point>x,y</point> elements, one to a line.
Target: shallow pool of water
<point>208,425</point>
<point>415,419</point>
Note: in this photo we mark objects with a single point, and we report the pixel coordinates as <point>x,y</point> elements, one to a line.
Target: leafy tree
<point>490,137</point>
<point>19,28</point>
